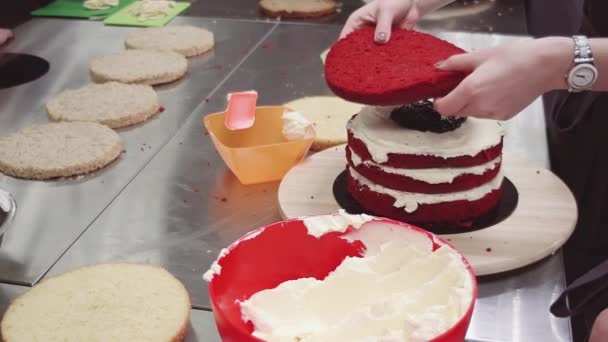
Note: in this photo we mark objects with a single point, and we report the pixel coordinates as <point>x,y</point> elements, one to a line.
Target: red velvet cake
<point>424,176</point>
<point>401,71</point>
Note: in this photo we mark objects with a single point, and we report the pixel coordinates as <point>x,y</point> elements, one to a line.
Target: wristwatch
<point>583,73</point>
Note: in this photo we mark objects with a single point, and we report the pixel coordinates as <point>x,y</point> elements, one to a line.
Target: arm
<point>599,332</point>
<point>503,80</point>
<point>563,54</point>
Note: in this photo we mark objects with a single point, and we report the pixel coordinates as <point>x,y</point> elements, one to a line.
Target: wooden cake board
<point>542,222</point>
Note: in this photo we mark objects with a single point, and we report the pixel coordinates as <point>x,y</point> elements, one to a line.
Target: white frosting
<point>215,267</point>
<point>431,176</point>
<point>321,225</point>
<point>383,136</point>
<point>409,201</point>
<point>295,126</point>
<point>400,290</point>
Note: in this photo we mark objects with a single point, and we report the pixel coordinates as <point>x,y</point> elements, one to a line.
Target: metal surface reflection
<point>8,208</point>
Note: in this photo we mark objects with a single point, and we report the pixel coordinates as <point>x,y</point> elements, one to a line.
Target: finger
<point>346,30</point>
<point>412,18</point>
<point>455,102</point>
<point>461,62</point>
<point>5,35</point>
<point>352,24</point>
<point>355,21</point>
<point>384,25</point>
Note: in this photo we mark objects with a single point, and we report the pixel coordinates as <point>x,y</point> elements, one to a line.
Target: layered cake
<point>411,164</point>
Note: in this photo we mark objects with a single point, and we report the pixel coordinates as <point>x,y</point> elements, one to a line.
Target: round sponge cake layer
<point>112,104</point>
<point>139,66</point>
<point>399,72</point>
<point>297,8</point>
<point>58,150</point>
<point>186,40</point>
<point>108,302</point>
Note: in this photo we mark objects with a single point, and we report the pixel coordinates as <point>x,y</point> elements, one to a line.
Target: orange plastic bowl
<point>269,256</point>
<point>258,154</point>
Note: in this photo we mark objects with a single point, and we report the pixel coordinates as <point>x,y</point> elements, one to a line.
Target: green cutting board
<point>124,18</point>
<point>74,9</point>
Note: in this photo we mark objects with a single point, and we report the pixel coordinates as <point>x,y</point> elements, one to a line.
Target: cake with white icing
<point>410,164</point>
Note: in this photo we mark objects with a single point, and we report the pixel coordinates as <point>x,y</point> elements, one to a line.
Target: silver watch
<point>583,73</point>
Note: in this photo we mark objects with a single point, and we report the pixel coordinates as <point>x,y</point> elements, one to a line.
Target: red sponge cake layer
<point>462,182</point>
<point>453,212</point>
<point>415,161</point>
<point>401,71</point>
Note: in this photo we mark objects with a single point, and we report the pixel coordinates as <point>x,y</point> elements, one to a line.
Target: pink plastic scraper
<point>241,110</point>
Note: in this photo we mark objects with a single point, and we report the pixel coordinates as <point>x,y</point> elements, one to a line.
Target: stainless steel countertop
<point>159,218</point>
<point>500,16</point>
<point>51,215</point>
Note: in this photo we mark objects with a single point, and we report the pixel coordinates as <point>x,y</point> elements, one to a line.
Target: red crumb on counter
<point>206,133</point>
<point>207,100</point>
<point>161,109</point>
<point>266,46</point>
<point>488,249</point>
<point>196,190</point>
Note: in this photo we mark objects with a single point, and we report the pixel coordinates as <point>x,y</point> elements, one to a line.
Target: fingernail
<point>439,65</point>
<point>381,37</point>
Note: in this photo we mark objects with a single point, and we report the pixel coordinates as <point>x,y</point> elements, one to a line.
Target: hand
<point>504,80</point>
<point>599,332</point>
<point>5,35</point>
<point>385,14</point>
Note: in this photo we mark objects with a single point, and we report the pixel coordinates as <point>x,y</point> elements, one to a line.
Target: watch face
<point>583,76</point>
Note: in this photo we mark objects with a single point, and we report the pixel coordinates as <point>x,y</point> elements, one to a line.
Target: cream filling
<point>321,225</point>
<point>296,126</point>
<point>383,136</point>
<point>400,290</point>
<point>215,267</point>
<point>409,201</point>
<point>431,176</point>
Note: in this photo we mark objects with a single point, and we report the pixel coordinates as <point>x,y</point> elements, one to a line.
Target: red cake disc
<point>399,72</point>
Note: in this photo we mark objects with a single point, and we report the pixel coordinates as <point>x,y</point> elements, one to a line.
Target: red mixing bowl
<point>269,256</point>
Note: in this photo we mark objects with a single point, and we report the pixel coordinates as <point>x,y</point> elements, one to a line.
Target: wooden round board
<point>543,220</point>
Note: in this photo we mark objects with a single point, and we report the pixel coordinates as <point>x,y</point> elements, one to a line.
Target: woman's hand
<point>5,35</point>
<point>385,14</point>
<point>599,332</point>
<point>503,80</point>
